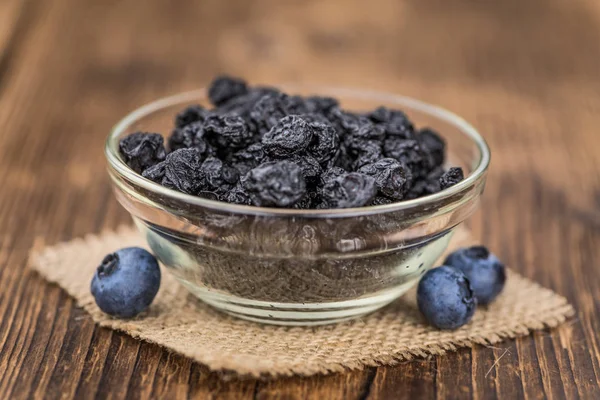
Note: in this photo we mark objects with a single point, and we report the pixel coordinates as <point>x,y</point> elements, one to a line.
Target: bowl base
<point>297,314</point>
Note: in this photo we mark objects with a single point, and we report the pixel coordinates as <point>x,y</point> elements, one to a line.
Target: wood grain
<point>525,73</point>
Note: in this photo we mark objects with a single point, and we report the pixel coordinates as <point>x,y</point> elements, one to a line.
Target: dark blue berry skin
<point>483,269</point>
<point>445,298</point>
<point>225,88</point>
<point>141,150</point>
<point>451,177</point>
<point>126,282</point>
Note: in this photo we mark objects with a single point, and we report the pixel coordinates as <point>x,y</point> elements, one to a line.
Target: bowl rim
<point>122,169</point>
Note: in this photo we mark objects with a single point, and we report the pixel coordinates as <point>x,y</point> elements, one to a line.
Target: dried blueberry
<point>295,105</point>
<point>155,173</point>
<point>409,153</point>
<point>191,135</point>
<point>342,119</point>
<point>426,186</point>
<point>244,104</point>
<point>311,169</point>
<point>276,183</point>
<point>332,173</point>
<point>349,190</point>
<point>325,142</point>
<point>364,129</point>
<point>238,195</point>
<point>320,105</point>
<point>191,114</point>
<point>436,173</point>
<point>423,187</point>
<point>246,159</point>
<point>394,122</point>
<point>289,136</point>
<point>357,126</point>
<point>183,171</point>
<point>365,152</point>
<point>227,131</point>
<point>142,150</point>
<point>166,182</point>
<point>269,110</point>
<point>392,178</point>
<point>310,200</point>
<point>219,177</point>
<point>432,143</point>
<point>451,177</point>
<point>342,159</point>
<point>225,88</point>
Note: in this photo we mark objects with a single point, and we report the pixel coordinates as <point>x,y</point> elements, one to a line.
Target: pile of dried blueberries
<point>259,146</point>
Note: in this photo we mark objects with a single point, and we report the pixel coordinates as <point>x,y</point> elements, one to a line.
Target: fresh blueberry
<point>445,298</point>
<point>126,282</point>
<point>483,269</point>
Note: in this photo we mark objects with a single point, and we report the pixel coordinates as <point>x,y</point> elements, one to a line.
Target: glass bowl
<point>299,267</point>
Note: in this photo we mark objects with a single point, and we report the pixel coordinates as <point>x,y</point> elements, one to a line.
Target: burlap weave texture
<point>396,333</point>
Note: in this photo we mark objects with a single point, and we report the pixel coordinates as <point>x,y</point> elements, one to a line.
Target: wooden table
<point>525,73</point>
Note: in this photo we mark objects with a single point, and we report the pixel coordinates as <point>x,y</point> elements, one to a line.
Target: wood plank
<point>204,384</point>
<point>352,385</point>
<point>94,363</point>
<point>453,375</point>
<point>172,377</point>
<point>13,24</point>
<point>416,379</point>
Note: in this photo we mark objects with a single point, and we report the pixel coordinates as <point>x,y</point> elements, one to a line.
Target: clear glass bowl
<point>299,267</point>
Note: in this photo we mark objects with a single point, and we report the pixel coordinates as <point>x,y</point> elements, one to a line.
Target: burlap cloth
<point>396,333</point>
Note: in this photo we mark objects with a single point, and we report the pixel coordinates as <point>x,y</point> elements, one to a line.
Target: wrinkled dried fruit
<point>409,153</point>
<point>325,142</point>
<point>349,190</point>
<point>191,135</point>
<point>432,143</point>
<point>310,200</point>
<point>320,105</point>
<point>244,104</point>
<point>393,122</point>
<point>269,110</point>
<point>195,113</point>
<point>366,152</point>
<point>332,173</point>
<point>218,176</point>
<point>248,158</point>
<point>238,195</point>
<point>276,183</point>
<point>451,177</point>
<point>183,171</point>
<point>155,173</point>
<point>227,131</point>
<point>225,88</point>
<point>142,150</point>
<point>311,170</point>
<point>392,178</point>
<point>291,135</point>
<point>426,186</point>
<point>357,126</point>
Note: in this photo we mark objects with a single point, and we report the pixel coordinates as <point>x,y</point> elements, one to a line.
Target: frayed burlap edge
<point>394,334</point>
